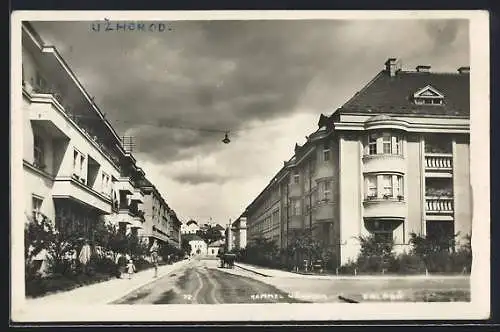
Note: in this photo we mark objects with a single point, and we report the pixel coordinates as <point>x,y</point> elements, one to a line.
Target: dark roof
<point>191,222</point>
<point>217,243</point>
<point>191,237</point>
<point>386,94</point>
<point>219,227</point>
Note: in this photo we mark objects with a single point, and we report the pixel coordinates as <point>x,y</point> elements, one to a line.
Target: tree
<point>185,247</point>
<point>438,253</point>
<point>261,251</point>
<point>40,234</point>
<point>209,234</point>
<point>303,245</point>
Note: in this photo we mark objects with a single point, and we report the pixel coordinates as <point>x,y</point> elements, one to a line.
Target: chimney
<point>390,66</point>
<point>464,70</point>
<point>423,69</point>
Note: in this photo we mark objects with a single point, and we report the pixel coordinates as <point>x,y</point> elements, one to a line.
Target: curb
<point>250,270</point>
<point>141,285</point>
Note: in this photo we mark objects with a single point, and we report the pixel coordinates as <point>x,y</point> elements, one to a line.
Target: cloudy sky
<point>266,82</point>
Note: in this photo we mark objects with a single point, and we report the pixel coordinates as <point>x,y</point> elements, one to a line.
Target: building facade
<point>214,248</point>
<point>76,170</point>
<point>238,233</point>
<point>198,245</point>
<point>161,222</point>
<point>191,227</point>
<point>392,161</point>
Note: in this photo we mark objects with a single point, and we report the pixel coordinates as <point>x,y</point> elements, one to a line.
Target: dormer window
<point>428,96</point>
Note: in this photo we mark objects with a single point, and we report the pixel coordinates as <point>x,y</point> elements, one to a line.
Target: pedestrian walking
<point>130,268</point>
<point>154,256</point>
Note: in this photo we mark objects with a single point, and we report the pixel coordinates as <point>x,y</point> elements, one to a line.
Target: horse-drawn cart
<point>227,260</point>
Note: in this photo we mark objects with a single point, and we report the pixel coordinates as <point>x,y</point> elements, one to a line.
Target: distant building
<point>239,233</point>
<point>215,247</point>
<point>221,230</point>
<point>191,227</point>
<point>391,161</point>
<point>198,245</point>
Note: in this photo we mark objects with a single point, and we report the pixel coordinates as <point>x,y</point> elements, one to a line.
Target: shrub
<point>439,255</point>
<point>408,264</point>
<point>374,256</point>
<point>349,268</point>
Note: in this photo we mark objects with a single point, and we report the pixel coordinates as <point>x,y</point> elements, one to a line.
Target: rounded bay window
<point>384,195</point>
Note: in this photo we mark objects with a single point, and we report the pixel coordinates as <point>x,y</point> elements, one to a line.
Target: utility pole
<point>229,236</point>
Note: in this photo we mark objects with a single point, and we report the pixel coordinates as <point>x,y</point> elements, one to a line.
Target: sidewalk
<point>267,272</point>
<point>104,292</point>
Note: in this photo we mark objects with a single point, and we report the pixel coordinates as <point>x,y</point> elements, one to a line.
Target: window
<point>76,162</point>
<point>105,183</point>
<point>326,152</point>
<point>383,237</point>
<point>386,143</point>
<point>327,190</point>
<point>296,207</point>
<point>38,151</point>
<point>82,163</point>
<point>371,187</point>
<point>372,144</point>
<point>397,145</point>
<point>36,203</point>
<point>428,101</point>
<point>296,178</point>
<point>387,186</point>
<point>398,186</point>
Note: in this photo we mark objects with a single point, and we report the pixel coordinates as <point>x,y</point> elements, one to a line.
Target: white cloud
<point>251,160</point>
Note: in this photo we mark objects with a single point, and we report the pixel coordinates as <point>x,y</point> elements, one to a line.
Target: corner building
<point>391,161</point>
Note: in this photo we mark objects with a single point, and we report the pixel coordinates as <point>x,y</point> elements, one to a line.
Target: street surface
<point>203,282</point>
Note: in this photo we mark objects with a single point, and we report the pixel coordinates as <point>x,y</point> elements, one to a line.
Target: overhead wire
<point>164,123</point>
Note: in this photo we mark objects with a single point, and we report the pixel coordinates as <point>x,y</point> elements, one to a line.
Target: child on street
<point>130,268</point>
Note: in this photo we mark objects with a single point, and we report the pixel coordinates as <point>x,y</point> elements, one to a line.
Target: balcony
<point>124,184</point>
<point>71,188</point>
<point>389,207</point>
<point>48,110</point>
<point>438,164</point>
<point>323,170</point>
<point>137,196</point>
<point>439,208</point>
<point>323,211</point>
<point>384,163</point>
<point>295,190</point>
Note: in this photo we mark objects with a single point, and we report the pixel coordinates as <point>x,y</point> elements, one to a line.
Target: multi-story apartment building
<point>238,233</point>
<point>76,170</point>
<point>156,225</point>
<point>393,160</point>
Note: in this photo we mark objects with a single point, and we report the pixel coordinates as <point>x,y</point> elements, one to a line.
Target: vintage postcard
<point>251,166</point>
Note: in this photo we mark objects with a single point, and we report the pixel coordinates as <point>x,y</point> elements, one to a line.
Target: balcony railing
<point>437,161</point>
<point>439,204</point>
<point>88,130</point>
